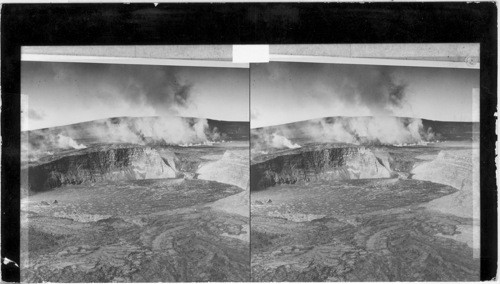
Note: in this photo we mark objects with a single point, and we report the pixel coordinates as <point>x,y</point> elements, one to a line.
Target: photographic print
<point>364,173</point>
<point>262,142</point>
<point>134,173</point>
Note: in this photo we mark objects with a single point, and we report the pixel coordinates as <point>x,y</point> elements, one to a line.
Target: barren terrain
<point>345,212</point>
<point>128,212</point>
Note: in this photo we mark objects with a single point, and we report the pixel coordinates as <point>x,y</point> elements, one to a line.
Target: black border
<point>244,23</point>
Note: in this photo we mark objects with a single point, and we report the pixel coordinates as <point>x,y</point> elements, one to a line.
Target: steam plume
<point>366,90</point>
<point>165,89</point>
<point>279,141</point>
<point>65,142</point>
<point>144,130</point>
<point>369,130</point>
<point>141,131</point>
<point>352,130</point>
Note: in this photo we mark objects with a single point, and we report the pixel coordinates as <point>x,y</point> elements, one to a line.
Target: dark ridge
<point>235,130</point>
<point>453,130</point>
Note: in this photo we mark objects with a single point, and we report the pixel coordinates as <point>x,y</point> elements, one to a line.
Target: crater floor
<point>152,230</point>
<point>362,229</point>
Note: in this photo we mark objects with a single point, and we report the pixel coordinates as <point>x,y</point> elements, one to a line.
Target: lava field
<point>129,212</point>
<point>368,213</point>
<point>152,211</point>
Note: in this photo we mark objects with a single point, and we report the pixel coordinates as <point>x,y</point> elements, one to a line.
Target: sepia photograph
<point>134,173</point>
<point>364,172</point>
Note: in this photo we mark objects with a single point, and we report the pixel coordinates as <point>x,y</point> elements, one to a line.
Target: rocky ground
<point>156,212</point>
<point>151,214</point>
<point>372,229</point>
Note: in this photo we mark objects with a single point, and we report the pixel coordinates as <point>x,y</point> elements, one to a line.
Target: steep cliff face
<point>113,164</point>
<point>459,169</point>
<point>232,168</point>
<point>325,164</point>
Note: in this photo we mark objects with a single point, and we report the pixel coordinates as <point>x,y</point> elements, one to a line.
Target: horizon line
<point>353,116</point>
<point>114,117</point>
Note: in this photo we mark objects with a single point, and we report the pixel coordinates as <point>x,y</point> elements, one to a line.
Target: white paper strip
<point>251,53</point>
<point>373,61</point>
<point>476,181</point>
<point>131,60</point>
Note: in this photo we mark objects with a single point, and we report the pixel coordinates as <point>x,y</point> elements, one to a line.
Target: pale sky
<point>286,92</point>
<point>66,93</point>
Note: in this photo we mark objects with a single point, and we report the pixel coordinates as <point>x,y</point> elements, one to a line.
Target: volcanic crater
<point>147,211</point>
<point>338,211</point>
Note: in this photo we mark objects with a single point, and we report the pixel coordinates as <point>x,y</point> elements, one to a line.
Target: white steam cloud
<point>65,142</point>
<point>169,130</point>
<point>47,146</point>
<point>146,130</point>
<point>263,141</point>
<point>363,130</point>
<point>279,141</point>
<point>351,130</point>
<point>142,131</point>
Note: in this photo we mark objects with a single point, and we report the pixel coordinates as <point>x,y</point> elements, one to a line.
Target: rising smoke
<point>378,89</point>
<point>65,142</point>
<point>38,146</point>
<point>166,90</point>
<point>280,142</point>
<point>169,130</point>
<point>162,88</point>
<point>144,130</point>
<point>388,130</point>
<point>375,90</point>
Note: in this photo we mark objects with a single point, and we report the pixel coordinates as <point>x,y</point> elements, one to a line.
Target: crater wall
<point>325,164</point>
<point>454,168</point>
<point>113,164</point>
